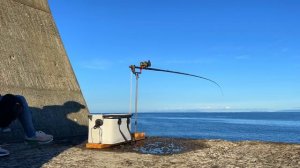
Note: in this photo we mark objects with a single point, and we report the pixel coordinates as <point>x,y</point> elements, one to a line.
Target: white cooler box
<point>109,128</point>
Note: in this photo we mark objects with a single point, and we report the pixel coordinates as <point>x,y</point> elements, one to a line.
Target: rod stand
<point>136,99</point>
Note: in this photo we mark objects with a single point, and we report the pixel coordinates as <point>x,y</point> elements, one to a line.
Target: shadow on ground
<point>33,156</point>
<point>161,146</point>
<point>24,155</point>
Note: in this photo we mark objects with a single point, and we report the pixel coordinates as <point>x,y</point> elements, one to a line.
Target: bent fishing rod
<point>145,65</point>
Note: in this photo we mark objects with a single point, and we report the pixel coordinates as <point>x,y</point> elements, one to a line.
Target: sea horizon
<point>260,111</point>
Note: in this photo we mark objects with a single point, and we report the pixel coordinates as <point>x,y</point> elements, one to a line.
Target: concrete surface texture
<point>34,63</point>
<point>186,154</point>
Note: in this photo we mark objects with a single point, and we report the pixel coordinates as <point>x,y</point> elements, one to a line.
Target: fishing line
<point>182,73</point>
<point>130,96</point>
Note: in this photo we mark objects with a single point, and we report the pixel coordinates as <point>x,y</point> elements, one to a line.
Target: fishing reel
<point>143,65</point>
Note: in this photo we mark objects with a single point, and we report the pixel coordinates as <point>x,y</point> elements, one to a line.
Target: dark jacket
<point>9,109</point>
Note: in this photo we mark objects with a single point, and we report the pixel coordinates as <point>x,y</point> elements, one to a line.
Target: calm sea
<point>234,126</point>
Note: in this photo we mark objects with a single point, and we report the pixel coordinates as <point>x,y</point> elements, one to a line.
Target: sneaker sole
<point>31,142</point>
<point>2,155</point>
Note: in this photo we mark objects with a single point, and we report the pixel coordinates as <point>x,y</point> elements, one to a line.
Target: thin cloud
<point>284,49</point>
<point>242,57</point>
<point>191,107</point>
<point>96,64</point>
<point>188,61</point>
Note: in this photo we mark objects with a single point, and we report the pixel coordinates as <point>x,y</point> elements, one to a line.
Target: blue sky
<point>251,48</point>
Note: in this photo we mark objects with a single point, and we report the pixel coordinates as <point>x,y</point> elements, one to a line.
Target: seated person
<point>15,107</point>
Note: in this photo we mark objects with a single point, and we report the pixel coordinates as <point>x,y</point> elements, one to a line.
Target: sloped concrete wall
<point>34,64</point>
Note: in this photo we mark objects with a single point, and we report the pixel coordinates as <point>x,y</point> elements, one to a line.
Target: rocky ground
<point>154,152</point>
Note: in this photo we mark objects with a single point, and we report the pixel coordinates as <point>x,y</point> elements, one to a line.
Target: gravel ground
<point>154,152</point>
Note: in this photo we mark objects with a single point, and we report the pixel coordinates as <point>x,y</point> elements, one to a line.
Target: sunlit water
<point>261,126</point>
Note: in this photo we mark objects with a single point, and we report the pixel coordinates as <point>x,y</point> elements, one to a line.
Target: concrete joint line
<point>29,5</point>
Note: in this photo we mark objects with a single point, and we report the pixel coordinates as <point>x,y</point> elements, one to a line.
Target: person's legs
<point>25,117</point>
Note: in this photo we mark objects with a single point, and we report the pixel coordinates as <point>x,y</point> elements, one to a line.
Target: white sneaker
<point>40,138</point>
<point>3,152</point>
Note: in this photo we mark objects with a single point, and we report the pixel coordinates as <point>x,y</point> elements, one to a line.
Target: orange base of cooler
<point>136,137</point>
<point>139,136</point>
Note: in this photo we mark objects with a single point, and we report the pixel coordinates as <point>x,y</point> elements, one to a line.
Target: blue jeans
<point>25,117</point>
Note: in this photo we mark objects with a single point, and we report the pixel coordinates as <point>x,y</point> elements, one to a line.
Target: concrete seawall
<point>34,63</point>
